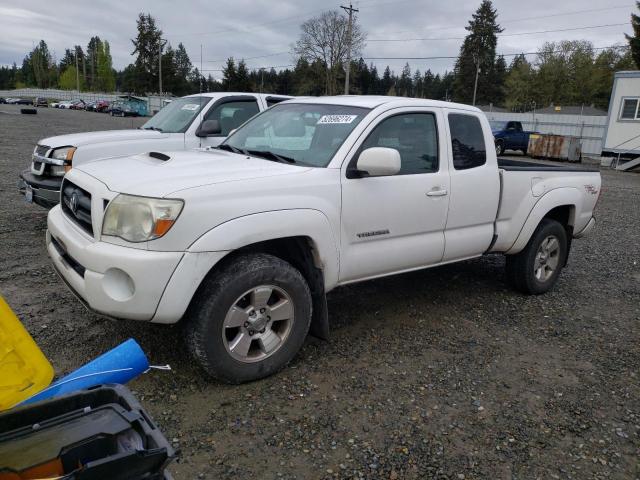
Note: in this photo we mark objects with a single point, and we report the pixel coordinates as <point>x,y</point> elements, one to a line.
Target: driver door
<point>395,223</point>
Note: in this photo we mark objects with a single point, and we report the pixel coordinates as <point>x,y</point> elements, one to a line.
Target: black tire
<point>500,148</point>
<point>520,267</point>
<point>205,316</point>
<point>28,111</point>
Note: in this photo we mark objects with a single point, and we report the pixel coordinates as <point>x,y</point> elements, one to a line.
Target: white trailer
<point>622,134</point>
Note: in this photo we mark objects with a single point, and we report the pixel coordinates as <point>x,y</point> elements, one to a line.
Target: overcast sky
<point>257,28</point>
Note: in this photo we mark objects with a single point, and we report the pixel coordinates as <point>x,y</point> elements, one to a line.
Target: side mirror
<point>379,162</point>
<point>209,128</point>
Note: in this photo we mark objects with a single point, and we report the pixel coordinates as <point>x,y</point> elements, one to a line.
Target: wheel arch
<point>303,238</point>
<point>560,204</point>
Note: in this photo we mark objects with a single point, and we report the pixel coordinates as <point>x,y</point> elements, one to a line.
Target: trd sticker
<point>591,189</point>
<point>328,119</point>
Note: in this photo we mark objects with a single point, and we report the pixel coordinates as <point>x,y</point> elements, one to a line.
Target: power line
<point>269,67</point>
<point>499,35</point>
<point>497,54</point>
<point>524,19</point>
<point>254,27</point>
<point>251,58</point>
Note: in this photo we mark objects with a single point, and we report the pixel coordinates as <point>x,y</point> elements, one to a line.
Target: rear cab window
<point>467,141</point>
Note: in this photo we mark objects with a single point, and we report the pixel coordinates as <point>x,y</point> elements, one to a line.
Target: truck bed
<point>524,166</point>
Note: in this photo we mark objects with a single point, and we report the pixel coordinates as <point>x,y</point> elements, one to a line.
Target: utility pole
<point>475,87</point>
<point>160,69</point>
<point>77,73</point>
<point>347,68</point>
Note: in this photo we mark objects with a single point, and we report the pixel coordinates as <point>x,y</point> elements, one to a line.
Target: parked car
<point>182,124</point>
<point>18,101</point>
<point>40,102</point>
<point>120,109</point>
<point>65,105</point>
<point>2,100</point>
<point>102,106</point>
<point>77,105</point>
<point>242,242</point>
<point>509,136</point>
<point>54,104</point>
<point>90,107</point>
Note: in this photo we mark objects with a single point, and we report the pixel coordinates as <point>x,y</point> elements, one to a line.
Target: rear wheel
<point>249,319</point>
<point>536,269</point>
<point>500,148</point>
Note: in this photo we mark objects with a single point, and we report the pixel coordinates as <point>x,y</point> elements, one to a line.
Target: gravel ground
<point>445,373</point>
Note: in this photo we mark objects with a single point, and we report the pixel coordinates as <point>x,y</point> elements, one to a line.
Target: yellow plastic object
<point>24,370</point>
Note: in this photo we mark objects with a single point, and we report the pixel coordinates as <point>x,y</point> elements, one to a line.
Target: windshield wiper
<point>229,148</point>
<point>157,129</point>
<point>267,155</point>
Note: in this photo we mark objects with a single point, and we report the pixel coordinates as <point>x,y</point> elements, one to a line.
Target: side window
<point>271,101</point>
<point>467,141</point>
<point>629,109</point>
<point>414,135</point>
<point>232,114</point>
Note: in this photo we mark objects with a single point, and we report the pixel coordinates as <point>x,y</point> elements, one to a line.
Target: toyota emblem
<point>73,203</point>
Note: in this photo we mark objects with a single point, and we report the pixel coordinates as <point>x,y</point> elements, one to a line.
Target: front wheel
<point>248,320</point>
<point>500,148</point>
<point>536,269</point>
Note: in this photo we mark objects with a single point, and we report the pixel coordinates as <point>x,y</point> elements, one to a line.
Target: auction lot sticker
<point>191,106</point>
<point>327,119</point>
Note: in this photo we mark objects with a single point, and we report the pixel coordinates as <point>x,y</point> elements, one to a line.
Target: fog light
<point>118,285</point>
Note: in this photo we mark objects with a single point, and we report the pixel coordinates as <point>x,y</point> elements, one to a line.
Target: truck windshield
<point>498,125</point>
<point>302,133</point>
<point>176,116</point>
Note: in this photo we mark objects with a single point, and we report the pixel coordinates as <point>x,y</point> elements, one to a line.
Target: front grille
<point>76,204</point>
<point>42,150</point>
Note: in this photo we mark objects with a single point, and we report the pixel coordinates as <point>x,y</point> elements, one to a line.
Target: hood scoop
<point>159,156</point>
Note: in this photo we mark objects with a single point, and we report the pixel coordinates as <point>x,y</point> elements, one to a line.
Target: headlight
<point>66,155</point>
<point>139,219</point>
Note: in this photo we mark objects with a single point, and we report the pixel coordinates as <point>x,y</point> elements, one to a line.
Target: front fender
<point>260,227</point>
<point>555,198</point>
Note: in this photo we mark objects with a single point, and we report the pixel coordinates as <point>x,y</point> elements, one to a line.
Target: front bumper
<point>110,279</point>
<point>46,190</point>
<point>123,282</point>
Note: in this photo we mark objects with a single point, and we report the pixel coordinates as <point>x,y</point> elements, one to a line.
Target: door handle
<point>437,192</point>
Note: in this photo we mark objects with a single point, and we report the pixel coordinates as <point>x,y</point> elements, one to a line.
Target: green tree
<point>634,41</point>
<point>229,75</point>
<point>92,62</point>
<point>519,93</point>
<point>478,50</point>
<point>146,48</point>
<point>243,83</point>
<point>105,80</point>
<point>68,79</point>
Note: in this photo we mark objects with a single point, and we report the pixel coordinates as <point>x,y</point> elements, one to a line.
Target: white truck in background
<point>201,120</point>
<point>243,241</point>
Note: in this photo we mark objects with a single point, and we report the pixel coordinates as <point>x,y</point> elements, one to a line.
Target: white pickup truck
<point>194,121</point>
<point>242,241</point>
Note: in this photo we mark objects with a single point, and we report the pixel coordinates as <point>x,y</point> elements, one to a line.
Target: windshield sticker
<point>327,119</point>
<point>190,106</point>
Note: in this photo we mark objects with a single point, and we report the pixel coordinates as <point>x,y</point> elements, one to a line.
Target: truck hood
<point>148,175</point>
<point>79,139</point>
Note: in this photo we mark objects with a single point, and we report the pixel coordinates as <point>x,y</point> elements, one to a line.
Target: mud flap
<point>320,318</point>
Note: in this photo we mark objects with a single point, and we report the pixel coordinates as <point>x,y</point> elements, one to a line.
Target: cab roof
<point>374,101</point>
